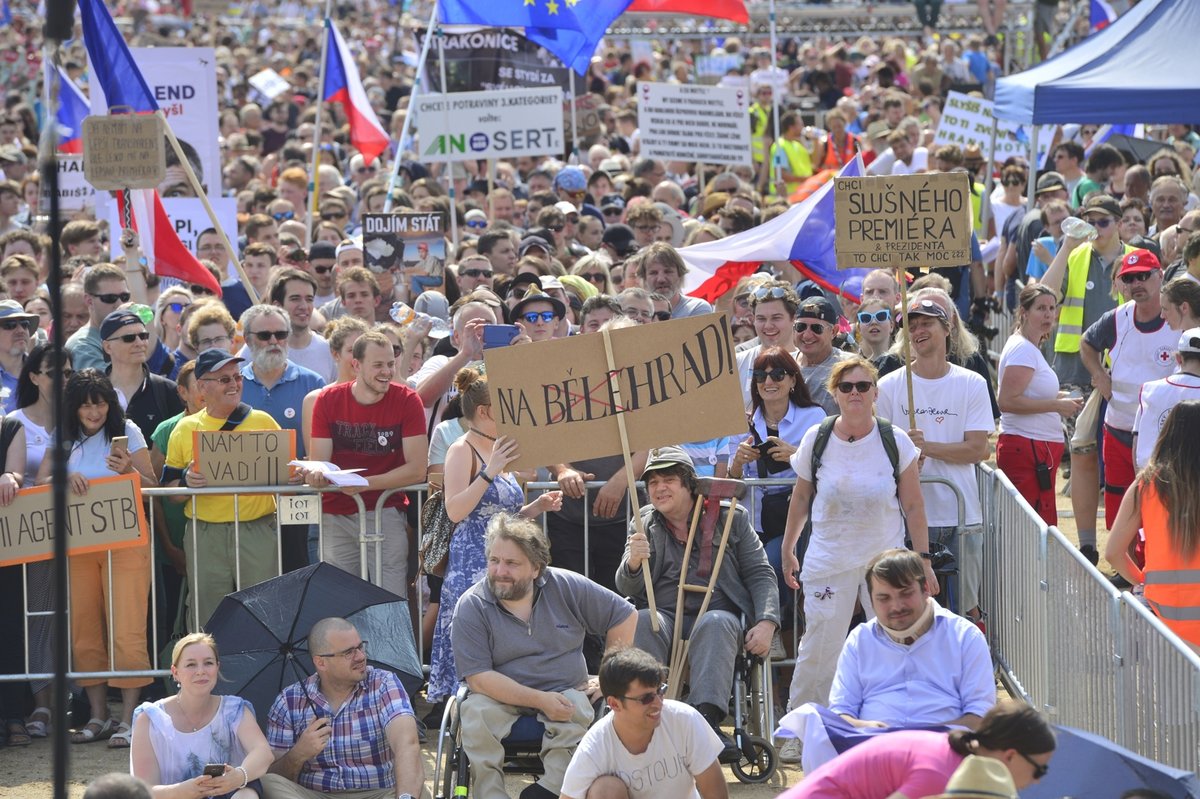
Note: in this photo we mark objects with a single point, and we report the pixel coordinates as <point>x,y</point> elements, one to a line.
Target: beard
<point>510,591</point>
<point>267,360</point>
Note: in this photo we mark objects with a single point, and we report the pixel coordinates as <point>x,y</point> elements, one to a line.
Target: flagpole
<point>394,183</point>
<point>441,34</point>
<point>313,185</point>
<point>774,101</point>
<point>574,120</point>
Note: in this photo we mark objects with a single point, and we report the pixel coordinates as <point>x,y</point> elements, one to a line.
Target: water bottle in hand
<point>1076,228</point>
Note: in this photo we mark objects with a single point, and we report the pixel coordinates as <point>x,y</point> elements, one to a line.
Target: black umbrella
<point>262,631</point>
<point>1087,765</point>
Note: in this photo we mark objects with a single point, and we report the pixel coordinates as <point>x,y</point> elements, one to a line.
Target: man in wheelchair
<point>518,643</point>
<point>745,585</point>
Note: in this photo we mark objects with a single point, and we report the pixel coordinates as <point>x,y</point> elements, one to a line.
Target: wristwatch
<point>925,556</point>
<point>405,796</point>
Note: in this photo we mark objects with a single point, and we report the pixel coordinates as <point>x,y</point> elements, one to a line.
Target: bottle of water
<point>1076,228</point>
<point>404,316</point>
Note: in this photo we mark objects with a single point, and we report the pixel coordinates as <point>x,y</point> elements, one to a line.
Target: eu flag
<point>570,29</point>
<point>112,63</point>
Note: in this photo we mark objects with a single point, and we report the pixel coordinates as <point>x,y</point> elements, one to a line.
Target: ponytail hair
<point>472,390</point>
<point>1008,725</point>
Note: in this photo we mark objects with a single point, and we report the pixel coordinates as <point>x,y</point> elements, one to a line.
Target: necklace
<point>479,432</point>
<point>187,717</point>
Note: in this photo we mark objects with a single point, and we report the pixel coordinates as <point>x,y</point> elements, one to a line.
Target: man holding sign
<point>220,559</point>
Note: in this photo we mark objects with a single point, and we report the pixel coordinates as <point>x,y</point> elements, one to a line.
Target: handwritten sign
<point>909,220</point>
<point>126,151</point>
<point>676,381</point>
<point>108,516</point>
<point>967,121</point>
<point>244,457</point>
<point>694,123</point>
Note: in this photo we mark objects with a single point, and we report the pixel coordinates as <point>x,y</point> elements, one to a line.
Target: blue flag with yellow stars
<point>570,29</point>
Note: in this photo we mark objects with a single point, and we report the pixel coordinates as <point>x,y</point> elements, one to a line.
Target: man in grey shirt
<point>518,642</point>
<point>816,326</point>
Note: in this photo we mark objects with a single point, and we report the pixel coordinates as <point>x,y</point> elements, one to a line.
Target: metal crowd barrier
<point>1069,643</point>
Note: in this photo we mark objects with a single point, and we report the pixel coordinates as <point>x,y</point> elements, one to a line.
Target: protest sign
<point>587,116</point>
<point>244,457</point>
<point>694,123</point>
<point>500,124</point>
<point>108,516</point>
<point>124,152</point>
<point>268,84</point>
<point>413,242</point>
<point>188,216</point>
<point>903,220</point>
<point>74,192</point>
<point>677,382</point>
<point>492,59</point>
<point>715,67</point>
<point>967,121</point>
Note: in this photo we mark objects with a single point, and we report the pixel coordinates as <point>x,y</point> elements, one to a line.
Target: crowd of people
<point>379,368</point>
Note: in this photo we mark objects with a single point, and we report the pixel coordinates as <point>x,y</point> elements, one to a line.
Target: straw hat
<point>980,778</point>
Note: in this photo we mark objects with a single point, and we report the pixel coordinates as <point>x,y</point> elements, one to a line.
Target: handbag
<point>437,530</point>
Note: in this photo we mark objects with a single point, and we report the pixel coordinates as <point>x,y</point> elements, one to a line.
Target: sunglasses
<point>478,223</point>
<point>129,338</point>
<point>771,293</point>
<point>1039,770</point>
<point>1102,222</point>
<point>477,273</point>
<point>532,317</point>
<point>177,307</point>
<point>113,299</point>
<point>226,380</point>
<point>861,386</point>
<point>320,270</point>
<point>815,327</point>
<point>593,277</point>
<point>365,170</point>
<point>777,374</point>
<point>202,290</point>
<point>267,335</point>
<point>284,216</point>
<point>555,228</point>
<point>614,212</point>
<point>662,316</point>
<point>11,325</point>
<point>866,317</point>
<point>1136,277</point>
<point>648,698</point>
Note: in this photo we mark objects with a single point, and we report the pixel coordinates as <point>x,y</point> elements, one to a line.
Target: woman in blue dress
<point>477,487</point>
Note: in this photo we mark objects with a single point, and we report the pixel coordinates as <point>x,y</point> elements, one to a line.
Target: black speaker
<point>60,20</point>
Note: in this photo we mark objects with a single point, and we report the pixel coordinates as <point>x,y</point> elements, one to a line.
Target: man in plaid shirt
<point>347,731</point>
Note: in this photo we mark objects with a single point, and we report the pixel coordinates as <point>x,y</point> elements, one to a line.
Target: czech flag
<point>72,108</point>
<point>734,10</point>
<point>1102,15</point>
<point>122,83</point>
<point>803,235</point>
<point>343,85</point>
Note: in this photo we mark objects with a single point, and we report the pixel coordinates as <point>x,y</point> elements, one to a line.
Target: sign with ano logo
<point>501,124</point>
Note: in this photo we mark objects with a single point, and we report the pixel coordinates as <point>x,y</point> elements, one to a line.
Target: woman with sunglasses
<point>1032,408</point>
<point>857,509</point>
<point>177,738</point>
<point>873,329</point>
<point>594,268</point>
<point>93,418</point>
<point>913,763</point>
<point>1012,181</point>
<point>167,311</point>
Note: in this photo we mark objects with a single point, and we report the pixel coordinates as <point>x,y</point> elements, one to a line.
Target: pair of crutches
<point>704,518</point>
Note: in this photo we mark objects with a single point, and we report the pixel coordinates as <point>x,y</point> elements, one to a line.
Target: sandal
<point>17,734</point>
<point>94,730</point>
<point>39,722</point>
<point>120,738</point>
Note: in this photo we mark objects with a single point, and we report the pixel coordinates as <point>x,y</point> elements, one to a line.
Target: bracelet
<point>925,556</point>
<point>245,777</point>
<point>483,473</point>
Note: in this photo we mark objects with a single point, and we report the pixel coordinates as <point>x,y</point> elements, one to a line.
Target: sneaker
<point>790,751</point>
<point>1089,552</point>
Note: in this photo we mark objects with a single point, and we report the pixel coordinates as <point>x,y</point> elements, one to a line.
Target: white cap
<point>566,207</point>
<point>355,243</point>
<point>1189,340</point>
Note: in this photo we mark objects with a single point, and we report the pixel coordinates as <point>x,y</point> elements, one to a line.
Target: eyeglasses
<point>478,223</point>
<point>769,293</point>
<point>283,216</point>
<point>1137,277</point>
<point>129,338</point>
<point>203,290</point>
<point>320,270</point>
<point>635,313</point>
<point>1101,222</point>
<point>815,327</point>
<point>662,316</point>
<point>11,325</point>
<point>593,277</point>
<point>226,380</point>
<point>648,698</point>
<point>533,316</point>
<point>861,386</point>
<point>866,317</point>
<point>487,273</point>
<point>777,374</point>
<point>113,299</point>
<point>177,307</point>
<point>1039,769</point>
<point>347,653</point>
<point>267,335</point>
<point>209,343</point>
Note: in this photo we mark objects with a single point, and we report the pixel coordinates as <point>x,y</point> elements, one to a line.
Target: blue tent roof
<point>1141,68</point>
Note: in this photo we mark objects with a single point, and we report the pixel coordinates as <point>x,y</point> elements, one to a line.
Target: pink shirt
<point>916,763</point>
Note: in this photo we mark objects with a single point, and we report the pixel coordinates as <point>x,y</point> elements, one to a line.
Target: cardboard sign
<point>967,121</point>
<point>587,117</point>
<point>126,151</point>
<point>244,457</point>
<point>492,59</point>
<point>504,124</point>
<point>269,84</point>
<point>392,241</point>
<point>74,192</point>
<point>694,123</point>
<point>903,220</point>
<point>677,382</point>
<point>108,516</point>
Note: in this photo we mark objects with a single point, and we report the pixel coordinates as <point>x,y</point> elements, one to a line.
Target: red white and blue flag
<point>343,85</point>
<point>1102,14</point>
<point>123,86</point>
<point>803,235</point>
<point>72,108</point>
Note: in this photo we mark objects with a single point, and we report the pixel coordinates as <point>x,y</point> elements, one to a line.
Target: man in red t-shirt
<point>378,426</point>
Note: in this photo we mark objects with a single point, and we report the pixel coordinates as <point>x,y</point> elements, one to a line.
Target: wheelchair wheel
<point>758,761</point>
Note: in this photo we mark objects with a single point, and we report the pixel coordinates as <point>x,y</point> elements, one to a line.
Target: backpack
<point>886,434</point>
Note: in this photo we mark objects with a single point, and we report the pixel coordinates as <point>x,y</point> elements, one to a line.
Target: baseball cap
<point>213,359</point>
<point>1138,261</point>
<point>818,308</point>
<point>664,457</point>
<point>928,308</point>
<point>117,320</point>
<point>349,244</point>
<point>621,239</point>
<point>1102,203</point>
<point>531,241</point>
<point>612,201</point>
<point>566,207</point>
<point>1189,340</point>
<point>321,249</point>
<point>1051,181</point>
<point>571,178</point>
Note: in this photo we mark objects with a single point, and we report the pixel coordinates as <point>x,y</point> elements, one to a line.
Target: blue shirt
<point>282,401</point>
<point>8,390</point>
<point>235,297</point>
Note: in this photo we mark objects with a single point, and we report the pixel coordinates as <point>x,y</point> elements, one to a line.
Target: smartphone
<point>773,466</point>
<point>214,769</point>
<point>120,444</point>
<point>499,335</point>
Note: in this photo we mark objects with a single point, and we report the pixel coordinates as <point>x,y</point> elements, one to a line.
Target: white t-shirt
<point>1047,426</point>
<point>855,513</point>
<point>947,409</point>
<point>316,356</point>
<point>682,747</point>
<point>1157,399</point>
<point>920,162</point>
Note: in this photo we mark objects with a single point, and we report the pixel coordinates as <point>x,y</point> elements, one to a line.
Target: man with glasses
<point>1068,158</point>
<point>209,247</point>
<point>646,746</point>
<point>815,328</point>
<point>360,171</point>
<point>474,272</point>
<point>662,271</point>
<point>538,314</point>
<point>16,328</point>
<point>519,655</point>
<point>105,288</point>
<point>318,727</point>
<point>645,219</point>
<point>1140,348</point>
<point>230,544</point>
<point>772,310</point>
<point>148,398</point>
<point>322,259</point>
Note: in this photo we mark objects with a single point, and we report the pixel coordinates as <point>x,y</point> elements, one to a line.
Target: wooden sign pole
<point>902,276</point>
